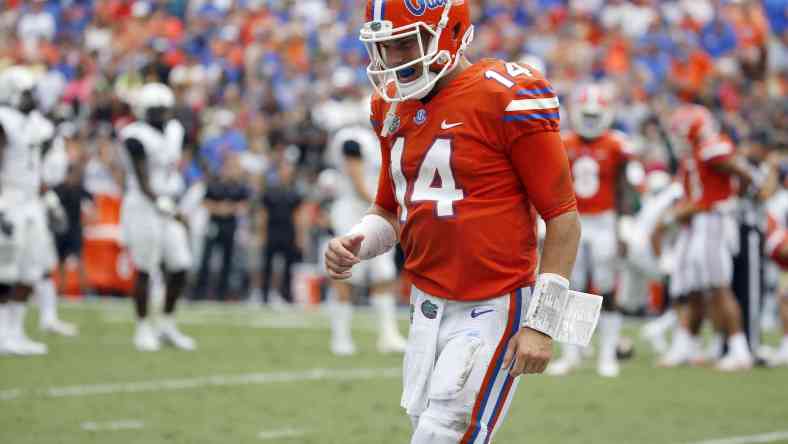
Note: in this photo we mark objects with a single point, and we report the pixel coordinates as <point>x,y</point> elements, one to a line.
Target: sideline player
<point>705,246</point>
<point>152,228</point>
<point>29,137</point>
<point>471,153</point>
<point>356,153</point>
<point>599,158</point>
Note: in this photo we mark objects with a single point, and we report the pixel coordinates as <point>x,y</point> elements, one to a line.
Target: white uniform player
<point>641,264</point>
<point>21,182</point>
<point>154,236</point>
<point>27,133</point>
<point>355,152</point>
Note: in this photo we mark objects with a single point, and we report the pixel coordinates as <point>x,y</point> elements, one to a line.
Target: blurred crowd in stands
<point>249,76</point>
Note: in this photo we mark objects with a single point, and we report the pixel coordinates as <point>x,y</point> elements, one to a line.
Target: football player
<point>153,229</point>
<point>642,263</point>
<point>777,249</point>
<point>470,154</point>
<point>29,137</point>
<point>355,152</point>
<point>704,255</point>
<point>10,242</point>
<point>600,159</point>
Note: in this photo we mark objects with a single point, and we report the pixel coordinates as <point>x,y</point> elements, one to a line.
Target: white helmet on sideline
<point>153,95</point>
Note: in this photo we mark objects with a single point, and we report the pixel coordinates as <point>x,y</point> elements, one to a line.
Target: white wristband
<point>548,303</point>
<point>379,236</point>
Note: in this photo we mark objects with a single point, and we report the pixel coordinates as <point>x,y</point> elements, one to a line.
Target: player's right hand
<point>341,255</point>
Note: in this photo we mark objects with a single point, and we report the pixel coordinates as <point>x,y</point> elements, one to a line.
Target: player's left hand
<point>531,351</point>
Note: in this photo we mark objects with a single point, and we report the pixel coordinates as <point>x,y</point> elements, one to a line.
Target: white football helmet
<point>153,95</point>
<point>14,81</point>
<point>591,111</point>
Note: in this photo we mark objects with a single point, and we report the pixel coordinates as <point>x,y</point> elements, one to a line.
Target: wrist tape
<point>548,303</point>
<point>379,236</point>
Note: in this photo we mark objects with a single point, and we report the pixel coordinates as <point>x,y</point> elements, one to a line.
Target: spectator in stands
<point>718,37</point>
<point>35,25</point>
<point>228,140</point>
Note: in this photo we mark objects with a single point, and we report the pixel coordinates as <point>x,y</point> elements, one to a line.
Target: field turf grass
<point>265,377</point>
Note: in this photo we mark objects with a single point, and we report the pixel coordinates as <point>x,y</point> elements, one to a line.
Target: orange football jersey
<point>595,169</point>
<point>466,173</point>
<point>704,185</point>
<point>696,125</point>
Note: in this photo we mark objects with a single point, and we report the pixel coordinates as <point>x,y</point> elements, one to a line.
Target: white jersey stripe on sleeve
<point>533,104</point>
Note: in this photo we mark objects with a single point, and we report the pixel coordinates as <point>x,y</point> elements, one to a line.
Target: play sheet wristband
<point>567,316</point>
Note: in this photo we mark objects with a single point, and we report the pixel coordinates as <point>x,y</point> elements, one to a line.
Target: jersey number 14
<point>434,182</point>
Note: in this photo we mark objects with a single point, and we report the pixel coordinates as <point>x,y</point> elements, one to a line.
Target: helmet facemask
<point>157,116</point>
<point>26,102</point>
<point>428,37</point>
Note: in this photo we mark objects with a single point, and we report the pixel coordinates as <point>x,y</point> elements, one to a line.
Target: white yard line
<point>7,395</point>
<point>273,324</point>
<point>259,323</point>
<point>123,424</point>
<point>282,433</point>
<point>318,374</point>
<point>751,439</point>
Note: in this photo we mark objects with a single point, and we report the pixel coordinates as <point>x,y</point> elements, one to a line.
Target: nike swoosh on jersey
<point>446,125</point>
<point>475,314</point>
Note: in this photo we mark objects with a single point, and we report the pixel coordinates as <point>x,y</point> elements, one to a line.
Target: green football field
<point>265,377</point>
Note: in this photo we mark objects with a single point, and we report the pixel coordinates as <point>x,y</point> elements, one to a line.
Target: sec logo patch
<point>420,117</point>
